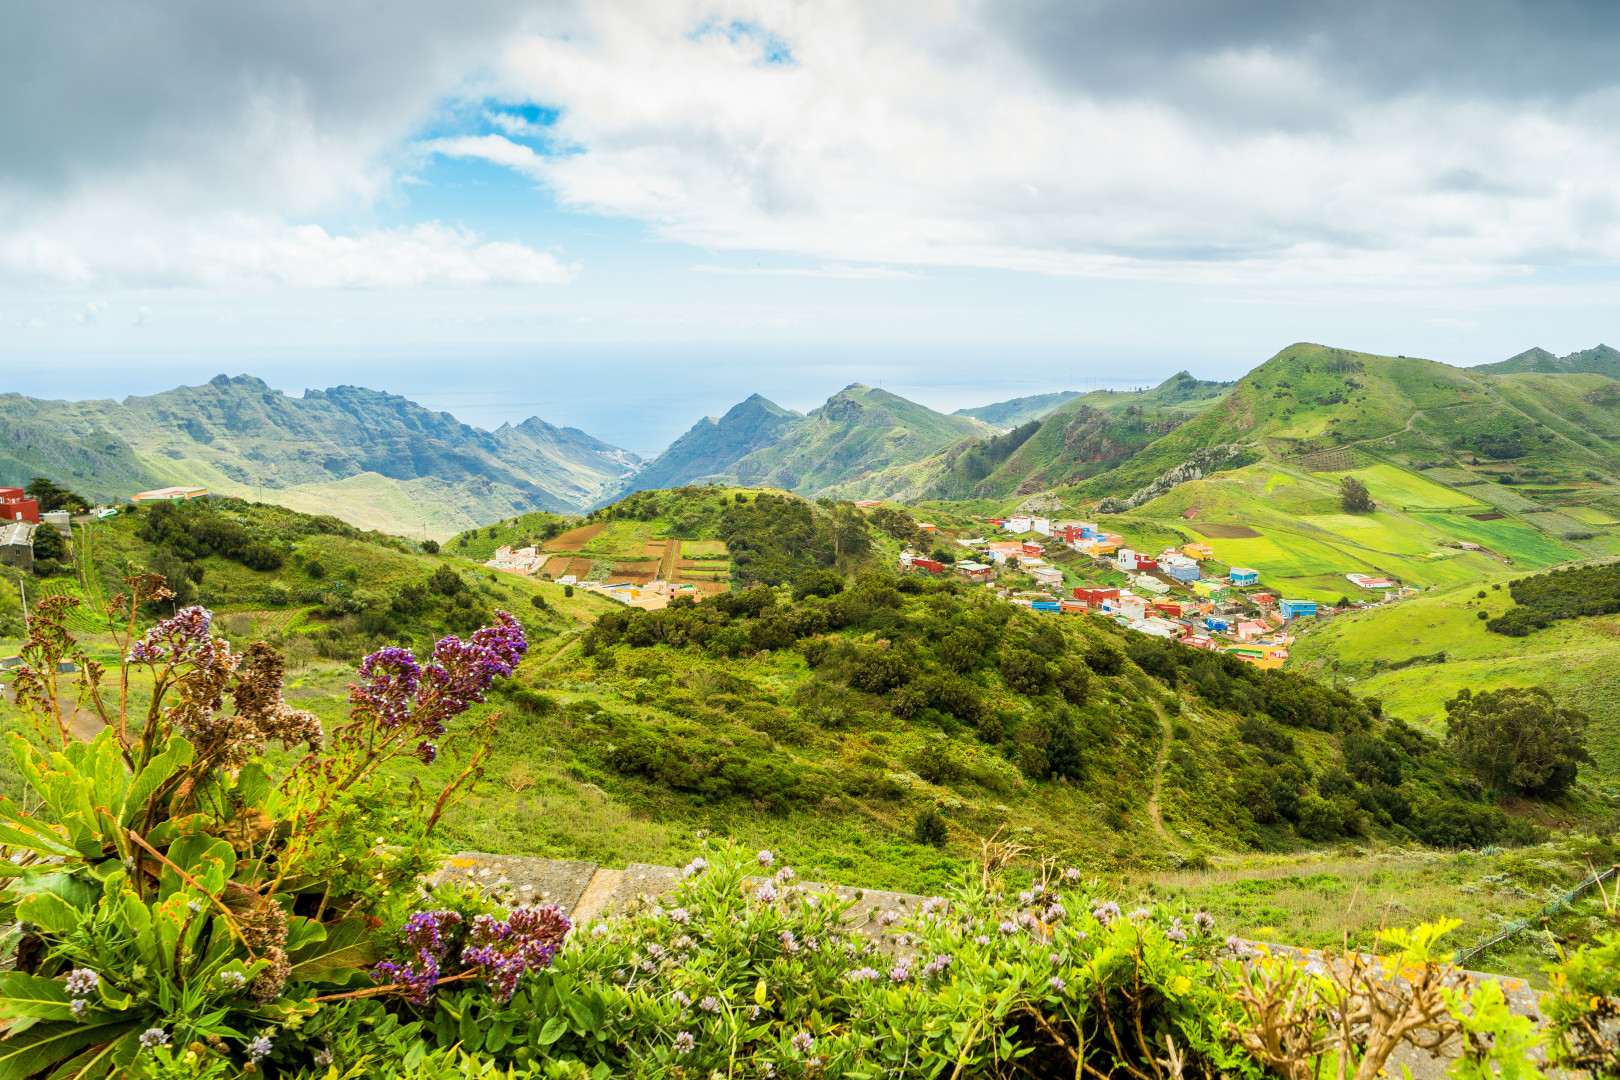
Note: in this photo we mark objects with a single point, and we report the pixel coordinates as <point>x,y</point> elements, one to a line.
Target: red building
<point>929,565</point>
<point>1169,609</point>
<point>1095,597</point>
<point>15,505</point>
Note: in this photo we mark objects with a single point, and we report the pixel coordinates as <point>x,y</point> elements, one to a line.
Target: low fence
<point>1465,955</point>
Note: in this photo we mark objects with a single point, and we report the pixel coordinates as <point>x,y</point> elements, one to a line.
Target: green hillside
<point>375,460</point>
<point>1009,414</point>
<point>836,450</point>
<point>1599,361</point>
<point>319,588</point>
<point>1390,652</point>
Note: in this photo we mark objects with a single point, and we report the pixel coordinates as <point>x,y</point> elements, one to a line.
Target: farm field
<point>693,549</point>
<point>575,539</point>
<point>1592,515</point>
<point>1388,483</point>
<point>1381,532</point>
<point>1528,548</point>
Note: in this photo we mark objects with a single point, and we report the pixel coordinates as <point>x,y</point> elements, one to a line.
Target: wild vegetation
<point>1563,594</point>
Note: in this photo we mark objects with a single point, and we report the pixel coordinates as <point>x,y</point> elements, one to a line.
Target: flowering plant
<point>176,890</point>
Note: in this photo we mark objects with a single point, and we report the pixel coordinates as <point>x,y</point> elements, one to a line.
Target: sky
<point>623,215</point>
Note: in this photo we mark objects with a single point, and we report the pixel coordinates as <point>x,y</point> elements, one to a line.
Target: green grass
<point>1388,533</point>
<point>1578,659</point>
<point>1390,484</point>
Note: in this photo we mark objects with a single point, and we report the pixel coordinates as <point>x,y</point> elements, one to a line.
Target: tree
<point>51,497</point>
<point>48,543</point>
<point>1353,496</point>
<point>930,828</point>
<point>1517,739</point>
<point>430,547</point>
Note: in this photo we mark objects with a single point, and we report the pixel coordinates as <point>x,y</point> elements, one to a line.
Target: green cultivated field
<point>1390,484</point>
<point>1387,533</point>
<point>1529,548</point>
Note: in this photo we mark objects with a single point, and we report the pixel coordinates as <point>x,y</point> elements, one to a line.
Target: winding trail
<point>1158,777</point>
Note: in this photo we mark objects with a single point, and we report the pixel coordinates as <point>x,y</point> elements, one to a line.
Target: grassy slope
<point>1578,659</point>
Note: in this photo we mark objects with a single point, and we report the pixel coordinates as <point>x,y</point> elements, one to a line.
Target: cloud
<point>853,273</point>
<point>1098,139</point>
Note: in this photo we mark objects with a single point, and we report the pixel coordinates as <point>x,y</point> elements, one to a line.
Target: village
<point>1168,595</point>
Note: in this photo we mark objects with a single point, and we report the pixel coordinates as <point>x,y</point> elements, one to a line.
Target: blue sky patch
<point>773,49</point>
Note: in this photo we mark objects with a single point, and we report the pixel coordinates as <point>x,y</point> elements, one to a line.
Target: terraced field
<point>1405,489</point>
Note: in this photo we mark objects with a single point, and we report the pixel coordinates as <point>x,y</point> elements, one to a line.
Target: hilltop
<point>837,449</point>
<point>1601,360</point>
<point>1009,414</point>
<point>376,460</point>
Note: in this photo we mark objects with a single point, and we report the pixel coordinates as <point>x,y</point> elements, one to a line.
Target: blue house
<point>1212,623</point>
<point>1180,572</point>
<point>1045,605</point>
<point>1294,608</point>
<point>1242,575</point>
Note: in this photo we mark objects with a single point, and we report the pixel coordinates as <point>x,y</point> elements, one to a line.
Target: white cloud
<point>913,134</point>
<point>112,241</point>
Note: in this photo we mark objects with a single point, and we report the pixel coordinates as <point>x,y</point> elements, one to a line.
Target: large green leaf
<point>33,995</point>
<point>43,1045</point>
<point>112,1058</point>
<point>50,911</point>
<point>206,859</point>
<point>177,753</point>
<point>18,829</point>
<point>349,948</point>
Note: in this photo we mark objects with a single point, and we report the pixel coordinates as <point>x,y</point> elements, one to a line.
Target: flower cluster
<point>181,639</point>
<point>528,939</point>
<point>400,694</point>
<point>423,932</point>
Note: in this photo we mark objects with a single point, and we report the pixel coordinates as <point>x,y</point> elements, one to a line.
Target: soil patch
<point>1225,532</point>
<point>631,573</point>
<point>574,539</point>
<point>1487,517</point>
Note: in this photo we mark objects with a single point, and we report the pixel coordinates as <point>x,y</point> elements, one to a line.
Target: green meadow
<point>1387,483</point>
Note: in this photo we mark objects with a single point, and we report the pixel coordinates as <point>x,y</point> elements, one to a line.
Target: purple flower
<point>1008,927</point>
<point>258,1049</point>
<point>526,941</point>
<point>802,1042</point>
<point>427,752</point>
<point>1072,874</point>
<point>684,1042</point>
<point>232,980</point>
<point>1028,921</point>
<point>1026,898</point>
<point>888,918</point>
<point>78,1006</point>
<point>682,998</point>
<point>655,950</point>
<point>1203,922</point>
<point>1234,942</point>
<point>933,904</point>
<point>1057,984</point>
<point>1175,931</point>
<point>324,1058</point>
<point>81,982</point>
<point>981,940</point>
<point>1105,913</point>
<point>710,1004</point>
<point>765,894</point>
<point>423,932</point>
<point>154,1037</point>
<point>937,966</point>
<point>1139,914</point>
<point>684,943</point>
<point>388,682</point>
<point>1054,913</point>
<point>899,973</point>
<point>765,859</point>
<point>789,945</point>
<point>178,640</point>
<point>785,875</point>
<point>679,915</point>
<point>865,974</point>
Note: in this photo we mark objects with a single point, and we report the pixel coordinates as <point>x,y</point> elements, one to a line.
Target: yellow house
<point>1198,551</point>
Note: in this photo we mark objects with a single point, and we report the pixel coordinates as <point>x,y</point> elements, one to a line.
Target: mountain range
<point>376,460</point>
<point>380,460</point>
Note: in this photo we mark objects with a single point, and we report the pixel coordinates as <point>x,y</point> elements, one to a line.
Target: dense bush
<point>195,530</point>
<point>1517,739</point>
<point>1562,594</point>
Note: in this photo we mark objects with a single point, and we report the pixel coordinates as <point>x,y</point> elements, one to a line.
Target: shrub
<point>936,762</point>
<point>1517,739</point>
<point>430,547</point>
<point>930,828</point>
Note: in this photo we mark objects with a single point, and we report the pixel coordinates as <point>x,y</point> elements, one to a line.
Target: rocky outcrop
<point>1202,463</point>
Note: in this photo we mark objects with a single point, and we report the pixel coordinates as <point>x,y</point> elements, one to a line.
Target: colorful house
<point>1242,576</point>
<point>15,505</point>
<point>1179,567</point>
<point>1046,575</point>
<point>1198,641</point>
<point>1130,561</point>
<point>1151,584</point>
<point>975,571</point>
<point>1095,597</point>
<point>1199,551</point>
<point>1293,609</point>
<point>1213,590</point>
<point>170,494</point>
<point>930,565</point>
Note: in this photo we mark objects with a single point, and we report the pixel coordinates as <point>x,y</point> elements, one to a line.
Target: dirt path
<point>1158,777</point>
<point>672,551</point>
